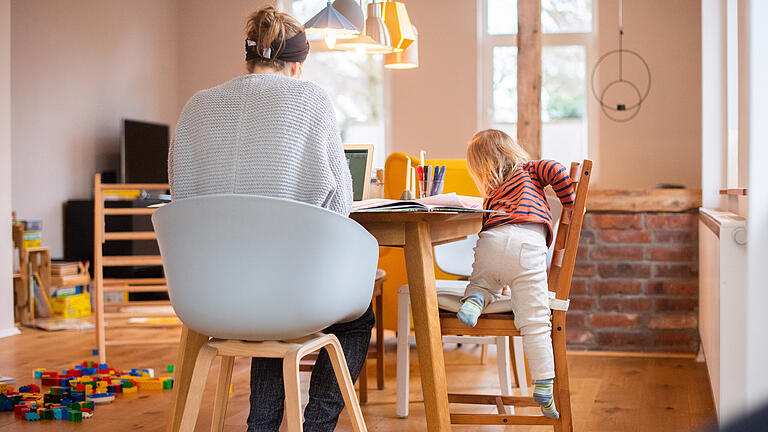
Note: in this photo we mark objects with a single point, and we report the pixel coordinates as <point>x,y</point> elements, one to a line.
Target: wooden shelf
<point>133,186</point>
<point>73,280</point>
<point>129,211</point>
<point>138,235</point>
<point>734,191</point>
<point>134,281</point>
<point>136,288</point>
<point>132,260</point>
<point>644,200</point>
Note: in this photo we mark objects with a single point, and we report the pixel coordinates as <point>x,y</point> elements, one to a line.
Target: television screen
<point>144,152</point>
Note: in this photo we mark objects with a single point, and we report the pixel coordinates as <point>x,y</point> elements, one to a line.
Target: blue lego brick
<point>30,416</point>
<point>59,413</point>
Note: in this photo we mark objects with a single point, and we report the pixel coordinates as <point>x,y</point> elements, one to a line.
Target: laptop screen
<point>357,160</point>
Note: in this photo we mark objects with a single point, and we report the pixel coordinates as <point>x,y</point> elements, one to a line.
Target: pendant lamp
<point>352,11</point>
<point>399,25</point>
<point>332,25</point>
<point>408,59</point>
<point>376,38</point>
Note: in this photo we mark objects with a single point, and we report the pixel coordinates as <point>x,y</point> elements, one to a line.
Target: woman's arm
<point>340,198</point>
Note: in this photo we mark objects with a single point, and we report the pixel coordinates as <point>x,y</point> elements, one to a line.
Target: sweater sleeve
<point>553,173</point>
<point>340,197</point>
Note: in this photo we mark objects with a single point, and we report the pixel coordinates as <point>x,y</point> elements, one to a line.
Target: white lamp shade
<point>352,11</point>
<point>329,20</point>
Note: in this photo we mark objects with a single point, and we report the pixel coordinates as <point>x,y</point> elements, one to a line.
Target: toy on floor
<point>73,393</point>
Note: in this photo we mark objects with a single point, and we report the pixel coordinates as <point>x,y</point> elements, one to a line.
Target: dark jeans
<point>325,400</point>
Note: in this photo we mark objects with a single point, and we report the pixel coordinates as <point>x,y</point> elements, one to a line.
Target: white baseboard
<point>10,331</point>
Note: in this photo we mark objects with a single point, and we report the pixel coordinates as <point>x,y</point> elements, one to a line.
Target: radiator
<point>723,307</point>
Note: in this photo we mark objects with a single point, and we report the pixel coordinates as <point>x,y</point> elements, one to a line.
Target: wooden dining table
<point>416,233</point>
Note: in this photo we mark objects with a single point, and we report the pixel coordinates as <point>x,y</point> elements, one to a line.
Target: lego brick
<point>30,416</point>
<point>75,416</point>
<point>45,414</point>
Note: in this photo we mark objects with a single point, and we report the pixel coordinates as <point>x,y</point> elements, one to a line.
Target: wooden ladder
<point>503,324</point>
<point>120,313</point>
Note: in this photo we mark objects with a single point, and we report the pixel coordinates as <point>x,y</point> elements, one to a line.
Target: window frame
<point>487,42</point>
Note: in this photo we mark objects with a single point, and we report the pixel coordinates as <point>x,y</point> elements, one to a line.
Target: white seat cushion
<point>450,292</point>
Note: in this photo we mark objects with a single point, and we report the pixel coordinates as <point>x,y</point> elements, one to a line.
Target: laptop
<point>359,160</point>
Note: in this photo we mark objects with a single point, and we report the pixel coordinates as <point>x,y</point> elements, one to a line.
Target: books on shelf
<point>64,268</point>
<point>444,202</point>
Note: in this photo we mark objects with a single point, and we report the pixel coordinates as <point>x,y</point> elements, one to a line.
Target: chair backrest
<point>456,258</point>
<point>568,232</point>
<point>258,268</point>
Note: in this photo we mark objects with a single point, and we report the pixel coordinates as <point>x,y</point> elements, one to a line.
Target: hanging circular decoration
<point>621,99</point>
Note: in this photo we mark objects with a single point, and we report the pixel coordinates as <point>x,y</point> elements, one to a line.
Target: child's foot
<point>471,309</point>
<point>542,394</point>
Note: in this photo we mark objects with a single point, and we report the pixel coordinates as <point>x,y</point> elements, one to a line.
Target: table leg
<point>421,281</point>
<point>189,346</point>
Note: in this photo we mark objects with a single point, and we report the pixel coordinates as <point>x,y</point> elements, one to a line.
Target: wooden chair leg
<point>380,341</point>
<point>196,388</point>
<point>562,384</point>
<point>484,354</point>
<point>292,392</point>
<point>346,385</point>
<point>222,393</point>
<point>362,382</point>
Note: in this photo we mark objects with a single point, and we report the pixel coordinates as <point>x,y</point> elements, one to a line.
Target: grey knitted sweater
<point>261,134</point>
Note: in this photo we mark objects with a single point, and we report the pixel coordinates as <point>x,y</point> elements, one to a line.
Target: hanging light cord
<point>621,37</point>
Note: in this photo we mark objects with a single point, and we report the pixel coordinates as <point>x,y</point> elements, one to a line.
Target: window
<point>353,81</point>
<point>566,50</point>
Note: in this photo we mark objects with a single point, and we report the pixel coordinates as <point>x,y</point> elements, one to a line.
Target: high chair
<point>230,263</point>
<point>503,324</point>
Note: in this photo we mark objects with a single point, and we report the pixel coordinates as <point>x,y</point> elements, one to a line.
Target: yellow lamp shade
<point>408,59</point>
<point>399,25</point>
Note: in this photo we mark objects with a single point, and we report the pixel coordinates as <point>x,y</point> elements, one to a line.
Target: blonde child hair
<point>492,157</point>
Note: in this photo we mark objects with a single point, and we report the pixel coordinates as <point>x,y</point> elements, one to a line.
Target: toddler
<point>512,248</point>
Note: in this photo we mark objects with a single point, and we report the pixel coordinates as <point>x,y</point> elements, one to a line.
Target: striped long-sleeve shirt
<point>522,196</point>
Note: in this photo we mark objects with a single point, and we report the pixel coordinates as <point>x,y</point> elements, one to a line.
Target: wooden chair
<point>291,352</point>
<point>378,354</point>
<point>502,324</point>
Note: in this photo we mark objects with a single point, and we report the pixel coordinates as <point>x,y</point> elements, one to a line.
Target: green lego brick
<point>75,416</point>
<point>168,384</point>
<point>169,368</point>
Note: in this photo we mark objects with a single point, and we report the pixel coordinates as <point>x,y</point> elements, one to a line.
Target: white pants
<point>516,256</point>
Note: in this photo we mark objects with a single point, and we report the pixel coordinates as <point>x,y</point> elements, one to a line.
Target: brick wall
<point>635,285</point>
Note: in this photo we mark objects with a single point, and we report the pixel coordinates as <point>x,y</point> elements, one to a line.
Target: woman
<point>268,133</point>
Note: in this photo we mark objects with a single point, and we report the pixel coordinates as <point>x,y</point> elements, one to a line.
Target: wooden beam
<point>644,200</point>
<point>529,76</point>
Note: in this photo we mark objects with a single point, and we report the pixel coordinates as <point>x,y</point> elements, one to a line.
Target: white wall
<point>6,257</point>
<point>78,67</point>
<point>757,219</point>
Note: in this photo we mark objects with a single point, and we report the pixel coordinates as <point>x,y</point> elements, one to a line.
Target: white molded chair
<point>230,263</point>
<point>456,258</point>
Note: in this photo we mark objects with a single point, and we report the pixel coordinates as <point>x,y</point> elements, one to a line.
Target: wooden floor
<point>609,393</point>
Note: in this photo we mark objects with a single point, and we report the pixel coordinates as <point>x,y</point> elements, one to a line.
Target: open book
<point>443,202</point>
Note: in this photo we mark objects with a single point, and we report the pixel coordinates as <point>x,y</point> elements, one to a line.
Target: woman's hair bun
<point>268,27</point>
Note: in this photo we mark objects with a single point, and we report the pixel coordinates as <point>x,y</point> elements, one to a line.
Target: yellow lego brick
<point>130,389</point>
<point>150,385</point>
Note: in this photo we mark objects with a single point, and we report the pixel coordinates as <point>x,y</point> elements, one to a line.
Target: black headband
<point>294,49</point>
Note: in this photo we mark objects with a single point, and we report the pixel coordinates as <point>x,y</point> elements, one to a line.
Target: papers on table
<point>443,202</point>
